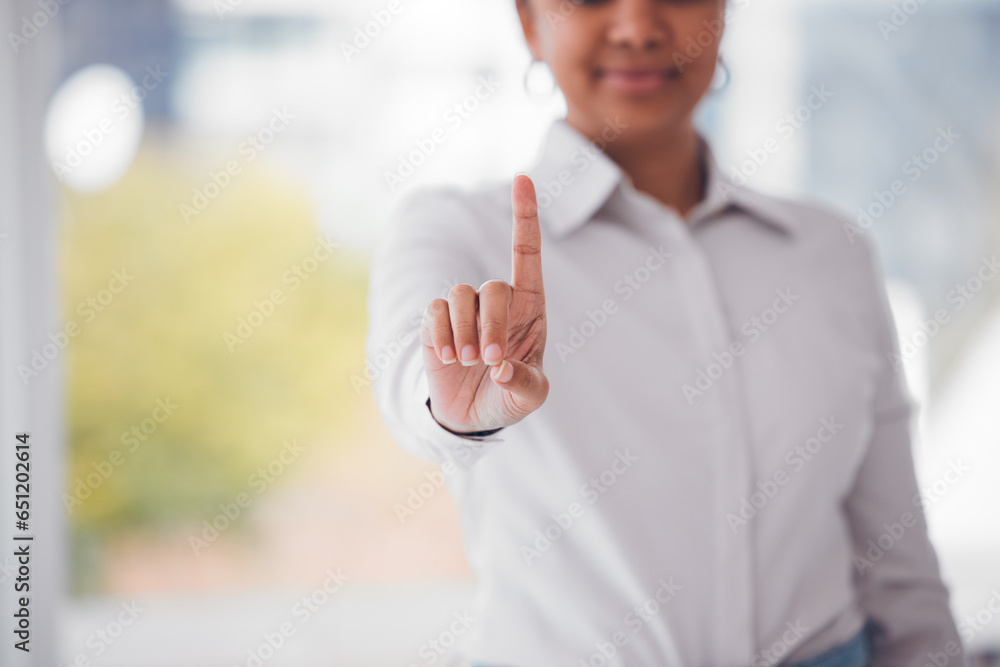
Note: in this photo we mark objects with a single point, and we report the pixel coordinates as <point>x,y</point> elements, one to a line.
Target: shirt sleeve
<point>430,244</point>
<point>895,568</point>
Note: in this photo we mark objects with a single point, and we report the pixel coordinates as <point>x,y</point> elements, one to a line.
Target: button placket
<point>733,607</point>
<point>731,610</point>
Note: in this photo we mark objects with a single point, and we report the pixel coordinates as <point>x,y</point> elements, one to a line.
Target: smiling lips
<point>639,80</point>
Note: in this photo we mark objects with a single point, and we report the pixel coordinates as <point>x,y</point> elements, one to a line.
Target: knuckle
<point>465,329</point>
<point>433,318</point>
<point>493,325</point>
<point>494,286</point>
<point>461,291</point>
<point>496,295</point>
<point>527,249</point>
<point>441,329</point>
<point>436,308</point>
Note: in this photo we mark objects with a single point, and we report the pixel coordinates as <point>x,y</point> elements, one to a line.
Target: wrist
<point>462,433</point>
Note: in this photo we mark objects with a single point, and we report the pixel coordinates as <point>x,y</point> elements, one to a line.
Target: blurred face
<point>647,61</point>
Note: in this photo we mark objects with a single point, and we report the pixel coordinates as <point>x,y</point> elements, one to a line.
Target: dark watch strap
<point>473,434</point>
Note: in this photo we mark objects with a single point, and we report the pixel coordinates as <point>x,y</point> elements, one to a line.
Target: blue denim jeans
<point>852,653</point>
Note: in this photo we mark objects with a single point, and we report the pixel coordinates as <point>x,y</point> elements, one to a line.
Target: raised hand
<point>483,348</point>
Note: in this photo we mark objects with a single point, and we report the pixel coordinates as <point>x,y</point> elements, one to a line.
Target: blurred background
<point>190,192</point>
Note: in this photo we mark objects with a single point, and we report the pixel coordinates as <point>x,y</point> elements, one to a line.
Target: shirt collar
<point>574,177</point>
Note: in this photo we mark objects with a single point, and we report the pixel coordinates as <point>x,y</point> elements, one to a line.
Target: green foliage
<point>161,337</point>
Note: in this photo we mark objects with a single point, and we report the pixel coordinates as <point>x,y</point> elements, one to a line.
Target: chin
<point>649,115</point>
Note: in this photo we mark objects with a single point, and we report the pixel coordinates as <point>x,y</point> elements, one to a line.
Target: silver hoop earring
<point>531,73</point>
<point>713,87</point>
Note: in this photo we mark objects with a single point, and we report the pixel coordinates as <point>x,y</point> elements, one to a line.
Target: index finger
<point>526,251</point>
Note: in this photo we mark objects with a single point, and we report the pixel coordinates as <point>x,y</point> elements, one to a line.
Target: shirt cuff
<point>471,434</point>
<point>463,449</point>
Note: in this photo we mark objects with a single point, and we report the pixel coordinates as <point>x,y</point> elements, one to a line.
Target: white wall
<point>28,313</point>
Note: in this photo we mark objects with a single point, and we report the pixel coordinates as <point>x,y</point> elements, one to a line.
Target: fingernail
<point>491,355</point>
<point>469,355</point>
<point>522,173</point>
<point>505,371</point>
<point>448,354</point>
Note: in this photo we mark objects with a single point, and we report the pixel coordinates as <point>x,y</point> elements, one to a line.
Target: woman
<point>713,467</point>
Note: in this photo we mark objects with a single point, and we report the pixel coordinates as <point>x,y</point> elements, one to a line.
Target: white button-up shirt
<point>721,473</point>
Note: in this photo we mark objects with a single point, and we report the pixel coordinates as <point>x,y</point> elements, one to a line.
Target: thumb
<point>527,383</point>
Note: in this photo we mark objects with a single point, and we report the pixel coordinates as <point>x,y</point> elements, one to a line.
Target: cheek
<point>572,61</point>
<point>699,33</point>
<point>703,57</point>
